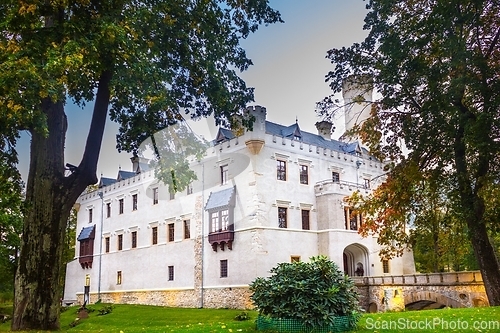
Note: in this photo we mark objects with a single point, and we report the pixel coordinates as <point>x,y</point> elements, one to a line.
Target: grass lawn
<point>442,320</point>
<point>142,318</point>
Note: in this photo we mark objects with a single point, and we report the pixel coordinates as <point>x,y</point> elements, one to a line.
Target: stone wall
<point>171,298</point>
<point>229,298</point>
<point>392,293</point>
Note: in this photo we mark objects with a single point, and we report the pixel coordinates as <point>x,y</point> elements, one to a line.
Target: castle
<point>274,194</point>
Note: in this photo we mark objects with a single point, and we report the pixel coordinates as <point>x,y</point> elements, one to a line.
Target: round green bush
<point>314,292</point>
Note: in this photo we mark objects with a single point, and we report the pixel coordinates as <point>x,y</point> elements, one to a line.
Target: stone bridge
<point>421,291</point>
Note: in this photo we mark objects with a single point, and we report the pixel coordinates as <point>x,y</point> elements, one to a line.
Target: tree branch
<point>493,44</point>
<point>88,165</point>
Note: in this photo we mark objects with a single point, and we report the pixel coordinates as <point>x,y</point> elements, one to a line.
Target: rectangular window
<point>353,220</point>
<point>214,219</point>
<point>223,268</point>
<point>170,273</point>
<point>305,219</point>
<point>282,217</point>
<point>172,195</point>
<point>280,170</point>
<point>367,184</point>
<point>295,259</point>
<point>90,215</point>
<point>155,196</point>
<point>220,220</point>
<point>187,229</point>
<point>134,201</point>
<point>385,265</point>
<point>119,277</point>
<point>304,174</point>
<point>154,231</point>
<point>224,219</point>
<point>171,230</point>
<point>189,189</point>
<point>108,210</point>
<point>134,239</point>
<point>120,242</point>
<point>120,206</point>
<point>335,177</point>
<point>224,172</point>
<point>106,241</point>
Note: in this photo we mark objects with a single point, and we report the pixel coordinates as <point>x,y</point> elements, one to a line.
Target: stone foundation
<point>229,298</point>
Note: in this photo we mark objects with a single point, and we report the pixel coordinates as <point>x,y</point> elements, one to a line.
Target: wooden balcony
<point>86,261</point>
<point>222,238</point>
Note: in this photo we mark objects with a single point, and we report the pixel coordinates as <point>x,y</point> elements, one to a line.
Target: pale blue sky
<point>288,73</point>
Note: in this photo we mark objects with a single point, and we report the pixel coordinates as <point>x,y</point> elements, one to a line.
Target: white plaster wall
<point>259,244</point>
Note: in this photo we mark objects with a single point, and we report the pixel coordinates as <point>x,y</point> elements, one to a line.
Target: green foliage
<point>412,209</point>
<point>150,63</point>
<point>157,319</point>
<point>75,322</point>
<point>435,67</point>
<point>88,309</point>
<point>69,244</point>
<point>11,214</point>
<point>6,296</point>
<point>173,147</point>
<point>105,310</point>
<point>314,293</point>
<point>242,316</point>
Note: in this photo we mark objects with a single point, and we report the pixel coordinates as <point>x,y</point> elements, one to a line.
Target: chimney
<point>136,163</point>
<point>325,129</point>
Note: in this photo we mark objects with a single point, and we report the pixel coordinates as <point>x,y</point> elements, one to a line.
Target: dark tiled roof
<point>86,233</point>
<point>294,132</point>
<point>106,181</point>
<point>224,134</point>
<point>124,175</point>
<point>290,131</point>
<point>221,199</point>
<point>310,138</point>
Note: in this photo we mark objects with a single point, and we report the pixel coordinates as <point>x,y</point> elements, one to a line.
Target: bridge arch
<point>356,260</point>
<point>418,300</point>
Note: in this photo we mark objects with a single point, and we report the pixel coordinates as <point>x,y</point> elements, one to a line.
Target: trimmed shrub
<point>314,293</point>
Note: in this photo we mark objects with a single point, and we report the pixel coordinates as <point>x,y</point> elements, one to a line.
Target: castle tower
<point>357,92</point>
<point>256,141</point>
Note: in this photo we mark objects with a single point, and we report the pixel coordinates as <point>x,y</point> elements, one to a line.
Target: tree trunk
<point>50,196</point>
<point>473,207</point>
<point>486,259</point>
<point>37,297</point>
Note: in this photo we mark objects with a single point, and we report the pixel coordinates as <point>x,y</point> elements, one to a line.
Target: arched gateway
<point>356,261</point>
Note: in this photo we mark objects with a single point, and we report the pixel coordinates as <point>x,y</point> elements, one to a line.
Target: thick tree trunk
<point>37,291</point>
<point>50,196</point>
<point>473,207</point>
<point>486,259</point>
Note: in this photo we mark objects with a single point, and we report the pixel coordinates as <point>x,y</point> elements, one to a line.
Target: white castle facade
<point>275,194</point>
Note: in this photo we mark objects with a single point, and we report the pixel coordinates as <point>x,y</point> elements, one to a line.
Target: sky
<point>288,75</point>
